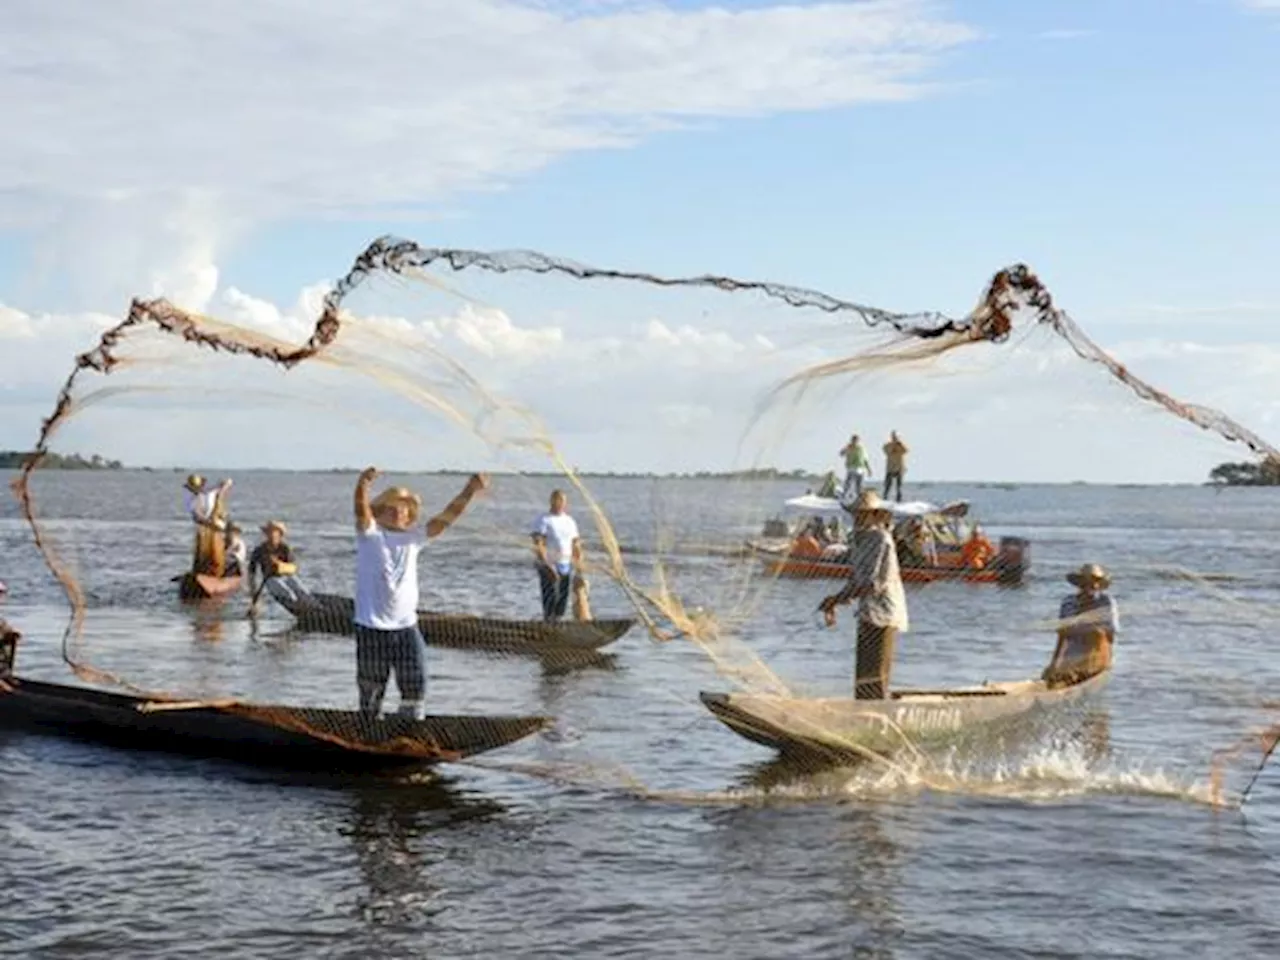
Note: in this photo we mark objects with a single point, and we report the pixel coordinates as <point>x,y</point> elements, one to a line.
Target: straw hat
<point>869,502</point>
<point>274,525</point>
<point>195,483</point>
<point>394,495</point>
<point>1090,573</point>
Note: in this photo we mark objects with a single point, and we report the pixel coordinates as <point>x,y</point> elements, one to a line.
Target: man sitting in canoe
<point>386,614</point>
<point>1087,625</point>
<point>234,560</point>
<point>207,507</point>
<point>274,560</point>
<point>882,603</point>
<point>558,549</point>
<point>977,550</point>
<point>9,638</point>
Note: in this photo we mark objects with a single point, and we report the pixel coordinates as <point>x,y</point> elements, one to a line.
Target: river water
<point>640,826</point>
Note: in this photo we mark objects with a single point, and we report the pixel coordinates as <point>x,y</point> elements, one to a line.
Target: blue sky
<point>1124,149</point>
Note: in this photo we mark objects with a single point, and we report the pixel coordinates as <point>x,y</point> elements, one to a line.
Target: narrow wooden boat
<point>844,730</point>
<point>294,738</point>
<point>201,586</point>
<point>806,568</point>
<point>331,613</point>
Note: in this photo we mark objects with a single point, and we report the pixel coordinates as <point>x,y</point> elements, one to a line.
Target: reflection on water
<point>387,827</point>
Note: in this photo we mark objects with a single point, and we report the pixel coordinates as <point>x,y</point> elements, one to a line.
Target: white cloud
<point>281,108</point>
<point>1265,5</point>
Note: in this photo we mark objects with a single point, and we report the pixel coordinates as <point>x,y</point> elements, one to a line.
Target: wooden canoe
<point>331,613</point>
<point>844,730</point>
<point>805,568</point>
<point>294,738</point>
<point>202,586</point>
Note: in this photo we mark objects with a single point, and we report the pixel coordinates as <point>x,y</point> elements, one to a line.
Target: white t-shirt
<point>237,552</point>
<point>559,530</point>
<point>200,505</point>
<point>387,577</point>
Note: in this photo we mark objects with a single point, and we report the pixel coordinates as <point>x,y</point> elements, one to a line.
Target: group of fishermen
<point>389,539</point>
<point>1088,619</point>
<point>220,549</point>
<point>857,466</point>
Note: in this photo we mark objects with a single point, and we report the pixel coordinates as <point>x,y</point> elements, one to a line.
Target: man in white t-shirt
<point>386,616</point>
<point>558,548</point>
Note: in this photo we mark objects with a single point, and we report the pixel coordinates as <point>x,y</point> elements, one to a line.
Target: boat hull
<point>287,738</point>
<point>844,730</point>
<point>330,613</point>
<point>802,568</point>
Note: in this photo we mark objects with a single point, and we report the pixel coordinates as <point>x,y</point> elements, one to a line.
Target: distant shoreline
<point>810,480</point>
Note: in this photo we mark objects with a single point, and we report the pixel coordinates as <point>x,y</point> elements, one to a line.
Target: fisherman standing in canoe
<point>558,548</point>
<point>857,467</point>
<point>895,464</point>
<point>386,614</point>
<point>876,582</point>
<point>207,507</point>
<point>1087,625</point>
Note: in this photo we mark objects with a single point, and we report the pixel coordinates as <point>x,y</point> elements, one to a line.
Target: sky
<point>236,157</point>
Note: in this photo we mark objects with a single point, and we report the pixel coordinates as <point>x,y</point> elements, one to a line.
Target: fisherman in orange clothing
<point>977,550</point>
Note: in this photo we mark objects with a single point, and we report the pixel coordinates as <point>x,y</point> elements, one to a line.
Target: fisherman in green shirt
<point>856,466</point>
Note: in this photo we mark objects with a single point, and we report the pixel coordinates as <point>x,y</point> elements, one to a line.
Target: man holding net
<point>558,548</point>
<point>386,614</point>
<point>207,508</point>
<point>895,465</point>
<point>876,581</point>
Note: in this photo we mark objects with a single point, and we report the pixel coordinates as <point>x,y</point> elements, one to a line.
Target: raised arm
<point>363,512</point>
<point>443,520</point>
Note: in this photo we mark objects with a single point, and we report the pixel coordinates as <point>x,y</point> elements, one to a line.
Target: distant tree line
<point>1264,473</point>
<point>17,459</point>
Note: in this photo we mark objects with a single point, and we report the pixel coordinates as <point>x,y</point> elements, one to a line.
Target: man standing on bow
<point>876,582</point>
<point>857,467</point>
<point>895,465</point>
<point>386,614</point>
<point>558,549</point>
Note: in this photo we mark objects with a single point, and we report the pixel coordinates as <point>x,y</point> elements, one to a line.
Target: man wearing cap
<point>274,559</point>
<point>207,508</point>
<point>882,603</point>
<point>1087,625</point>
<point>386,615</point>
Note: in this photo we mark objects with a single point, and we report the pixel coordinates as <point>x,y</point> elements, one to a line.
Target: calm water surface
<point>639,826</point>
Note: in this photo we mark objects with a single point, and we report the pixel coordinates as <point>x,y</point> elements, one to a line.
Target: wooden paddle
<point>253,603</point>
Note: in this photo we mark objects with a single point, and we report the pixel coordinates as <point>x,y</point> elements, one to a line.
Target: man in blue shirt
<point>1087,625</point>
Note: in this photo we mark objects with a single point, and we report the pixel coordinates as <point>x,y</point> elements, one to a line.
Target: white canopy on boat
<point>831,507</point>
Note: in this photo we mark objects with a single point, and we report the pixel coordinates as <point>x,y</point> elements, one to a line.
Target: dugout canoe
<point>807,568</point>
<point>287,738</point>
<point>843,730</point>
<point>201,586</point>
<point>331,613</point>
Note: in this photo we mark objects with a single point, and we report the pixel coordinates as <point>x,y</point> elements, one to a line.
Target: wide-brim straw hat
<point>869,502</point>
<point>195,483</point>
<point>1089,573</point>
<point>274,525</point>
<point>394,495</point>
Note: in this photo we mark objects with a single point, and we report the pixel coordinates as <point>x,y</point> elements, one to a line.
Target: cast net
<point>698,426</point>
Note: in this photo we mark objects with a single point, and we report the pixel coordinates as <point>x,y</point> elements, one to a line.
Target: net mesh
<point>415,358</point>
